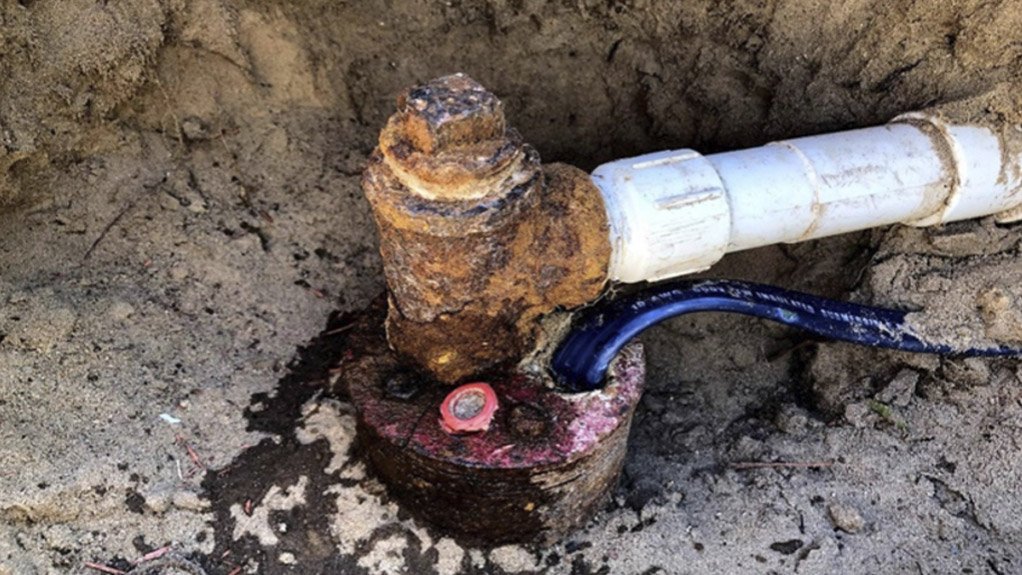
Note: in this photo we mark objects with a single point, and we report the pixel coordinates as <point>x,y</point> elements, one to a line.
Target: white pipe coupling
<point>678,212</point>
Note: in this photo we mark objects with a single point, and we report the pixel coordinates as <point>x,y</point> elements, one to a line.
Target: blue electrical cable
<point>598,333</point>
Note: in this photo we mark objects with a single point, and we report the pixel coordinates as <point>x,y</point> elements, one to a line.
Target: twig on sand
<point>781,464</point>
<point>338,330</point>
<point>104,568</point>
<point>155,564</point>
<point>106,229</point>
<point>166,565</point>
<point>192,454</point>
<point>154,554</point>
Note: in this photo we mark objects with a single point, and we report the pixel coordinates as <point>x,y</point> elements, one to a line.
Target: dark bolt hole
<point>402,385</point>
<point>528,421</point>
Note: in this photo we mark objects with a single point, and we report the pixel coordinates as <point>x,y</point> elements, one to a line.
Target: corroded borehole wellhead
<point>477,239</point>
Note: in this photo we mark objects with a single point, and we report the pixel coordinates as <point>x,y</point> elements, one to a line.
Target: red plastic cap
<point>468,409</point>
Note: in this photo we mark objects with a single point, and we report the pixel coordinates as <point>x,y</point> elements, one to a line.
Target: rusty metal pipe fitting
<point>478,239</point>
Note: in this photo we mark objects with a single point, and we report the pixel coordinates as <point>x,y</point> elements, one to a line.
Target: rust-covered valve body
<point>478,240</point>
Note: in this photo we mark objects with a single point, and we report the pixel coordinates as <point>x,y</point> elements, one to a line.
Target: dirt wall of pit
<point>585,81</point>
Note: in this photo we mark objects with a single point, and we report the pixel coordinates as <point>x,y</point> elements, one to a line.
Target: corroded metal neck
<point>478,239</point>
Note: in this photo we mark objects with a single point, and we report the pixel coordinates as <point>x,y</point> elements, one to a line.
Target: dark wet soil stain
<point>282,460</point>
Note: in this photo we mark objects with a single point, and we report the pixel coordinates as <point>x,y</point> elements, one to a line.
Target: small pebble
<point>792,420</point>
<point>189,500</point>
<point>900,390</point>
<point>846,518</point>
<point>859,415</point>
<point>169,202</point>
<point>178,272</point>
<point>193,129</point>
<point>120,311</point>
<point>287,558</point>
<point>158,500</point>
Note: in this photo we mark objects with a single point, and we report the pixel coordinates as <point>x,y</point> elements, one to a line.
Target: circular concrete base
<point>543,468</point>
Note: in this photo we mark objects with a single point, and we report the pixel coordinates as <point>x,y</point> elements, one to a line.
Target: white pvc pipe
<point>678,212</point>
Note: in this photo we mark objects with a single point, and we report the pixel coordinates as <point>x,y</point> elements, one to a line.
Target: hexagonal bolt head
<point>450,111</point>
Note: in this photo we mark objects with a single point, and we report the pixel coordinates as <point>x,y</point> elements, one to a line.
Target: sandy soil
<point>181,225</point>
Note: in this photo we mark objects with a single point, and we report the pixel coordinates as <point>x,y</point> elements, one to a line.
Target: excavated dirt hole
<point>191,216</point>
